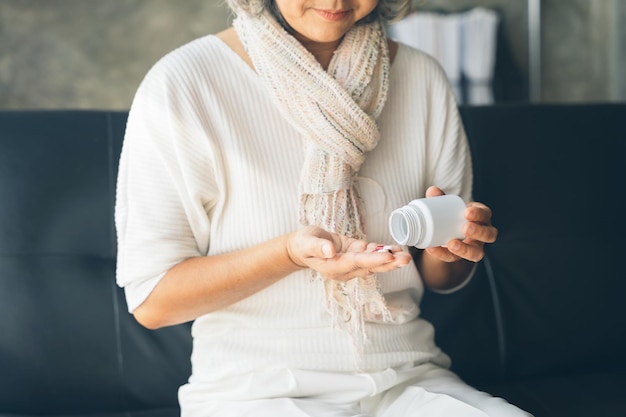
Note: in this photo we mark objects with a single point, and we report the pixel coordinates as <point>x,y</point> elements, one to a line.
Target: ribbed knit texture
<point>209,166</point>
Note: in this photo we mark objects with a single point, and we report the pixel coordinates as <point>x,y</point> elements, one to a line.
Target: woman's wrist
<point>441,275</point>
<point>290,253</point>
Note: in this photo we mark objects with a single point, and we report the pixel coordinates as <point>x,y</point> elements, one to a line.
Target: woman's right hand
<point>339,257</point>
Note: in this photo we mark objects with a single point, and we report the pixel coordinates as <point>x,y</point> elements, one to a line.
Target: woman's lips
<point>332,15</point>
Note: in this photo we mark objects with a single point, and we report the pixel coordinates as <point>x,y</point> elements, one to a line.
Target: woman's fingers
<point>471,250</point>
<point>480,232</point>
<point>347,265</point>
<point>339,257</point>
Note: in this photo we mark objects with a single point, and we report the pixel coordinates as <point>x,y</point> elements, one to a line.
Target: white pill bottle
<point>428,222</point>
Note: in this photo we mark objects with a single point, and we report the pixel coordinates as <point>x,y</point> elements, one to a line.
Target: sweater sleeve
<point>165,186</point>
<point>450,158</point>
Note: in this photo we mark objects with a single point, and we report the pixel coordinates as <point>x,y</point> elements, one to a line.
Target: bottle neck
<point>407,225</point>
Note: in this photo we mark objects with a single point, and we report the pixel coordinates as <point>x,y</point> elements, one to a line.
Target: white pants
<point>423,391</point>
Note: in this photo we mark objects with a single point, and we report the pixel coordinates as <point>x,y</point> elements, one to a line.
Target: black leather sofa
<point>543,322</point>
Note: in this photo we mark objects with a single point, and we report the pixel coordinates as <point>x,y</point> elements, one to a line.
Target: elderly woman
<point>259,169</point>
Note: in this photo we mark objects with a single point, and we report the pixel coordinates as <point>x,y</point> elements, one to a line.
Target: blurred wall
<point>581,57</point>
<point>619,51</point>
<point>94,53</point>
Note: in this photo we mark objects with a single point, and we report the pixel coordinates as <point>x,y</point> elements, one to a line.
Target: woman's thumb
<point>328,251</point>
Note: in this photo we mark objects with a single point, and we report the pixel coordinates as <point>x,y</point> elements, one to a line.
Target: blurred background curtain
<point>464,43</point>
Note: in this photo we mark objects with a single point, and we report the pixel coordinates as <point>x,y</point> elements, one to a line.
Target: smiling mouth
<point>332,15</point>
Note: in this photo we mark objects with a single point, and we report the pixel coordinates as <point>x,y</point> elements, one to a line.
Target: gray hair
<point>387,10</point>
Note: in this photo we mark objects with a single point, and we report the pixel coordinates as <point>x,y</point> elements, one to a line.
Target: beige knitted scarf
<point>336,111</point>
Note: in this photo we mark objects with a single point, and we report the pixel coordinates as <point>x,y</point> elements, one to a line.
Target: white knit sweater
<point>209,166</point>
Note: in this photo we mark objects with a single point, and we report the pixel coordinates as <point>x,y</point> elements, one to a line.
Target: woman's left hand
<point>478,230</point>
